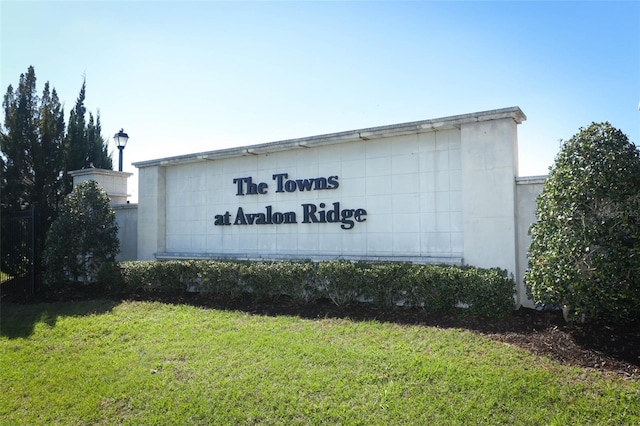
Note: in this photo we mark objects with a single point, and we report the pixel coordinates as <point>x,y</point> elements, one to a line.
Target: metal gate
<point>18,264</point>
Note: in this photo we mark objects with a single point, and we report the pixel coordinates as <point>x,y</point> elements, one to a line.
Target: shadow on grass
<point>18,320</point>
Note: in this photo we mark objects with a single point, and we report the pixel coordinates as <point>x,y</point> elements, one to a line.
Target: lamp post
<point>121,139</point>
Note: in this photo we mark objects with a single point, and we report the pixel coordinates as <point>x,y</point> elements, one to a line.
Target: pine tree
<point>31,145</point>
<point>50,152</point>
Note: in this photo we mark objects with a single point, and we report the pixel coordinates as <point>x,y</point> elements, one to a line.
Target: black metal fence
<point>18,260</point>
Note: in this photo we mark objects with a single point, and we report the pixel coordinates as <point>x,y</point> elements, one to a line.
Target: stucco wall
<point>410,187</point>
<point>127,220</point>
<point>489,171</point>
<point>528,189</point>
<point>151,212</point>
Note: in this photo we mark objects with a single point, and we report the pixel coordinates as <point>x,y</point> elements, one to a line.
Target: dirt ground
<point>610,349</point>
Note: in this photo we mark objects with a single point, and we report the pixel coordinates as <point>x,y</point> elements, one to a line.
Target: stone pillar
<point>112,182</point>
<point>151,212</point>
<point>489,169</point>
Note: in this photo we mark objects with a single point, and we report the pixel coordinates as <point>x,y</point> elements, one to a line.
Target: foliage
<point>585,250</point>
<point>32,155</point>
<point>222,278</point>
<point>300,281</point>
<point>486,291</point>
<point>387,284</point>
<point>150,363</point>
<point>31,144</point>
<point>342,282</point>
<point>83,143</point>
<point>36,153</point>
<point>269,279</point>
<point>434,288</point>
<point>82,237</point>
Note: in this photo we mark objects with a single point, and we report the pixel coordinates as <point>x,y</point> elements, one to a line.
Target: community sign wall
<point>434,191</point>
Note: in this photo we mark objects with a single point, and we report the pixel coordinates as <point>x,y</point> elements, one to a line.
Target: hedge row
<point>436,288</point>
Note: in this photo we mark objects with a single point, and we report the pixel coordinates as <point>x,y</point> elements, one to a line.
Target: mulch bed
<point>606,348</point>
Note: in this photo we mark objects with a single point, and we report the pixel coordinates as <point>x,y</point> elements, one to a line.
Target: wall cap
<point>443,260</point>
<point>414,127</point>
<point>94,171</point>
<point>530,180</point>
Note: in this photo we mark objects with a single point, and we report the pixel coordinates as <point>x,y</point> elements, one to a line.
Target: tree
<point>32,153</point>
<point>84,144</point>
<point>32,145</point>
<point>75,141</point>
<point>585,249</point>
<point>82,237</point>
<point>98,148</point>
<point>36,153</point>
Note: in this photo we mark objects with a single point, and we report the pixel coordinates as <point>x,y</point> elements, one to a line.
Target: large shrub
<point>81,238</point>
<point>585,250</point>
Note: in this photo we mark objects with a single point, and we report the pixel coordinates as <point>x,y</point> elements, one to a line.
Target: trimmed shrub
<point>223,278</point>
<point>298,280</point>
<point>435,288</point>
<point>438,289</point>
<point>110,277</point>
<point>386,284</point>
<point>341,281</point>
<point>486,291</point>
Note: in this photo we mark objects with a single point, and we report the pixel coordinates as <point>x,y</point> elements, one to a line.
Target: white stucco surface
<point>410,187</point>
<point>528,188</point>
<point>127,220</point>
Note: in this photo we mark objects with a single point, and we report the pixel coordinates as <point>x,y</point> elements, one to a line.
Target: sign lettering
<point>310,213</point>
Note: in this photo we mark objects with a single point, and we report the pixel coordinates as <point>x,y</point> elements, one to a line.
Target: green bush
<point>262,280</point>
<point>81,238</point>
<point>434,288</point>
<point>585,249</point>
<point>386,284</point>
<point>341,281</point>
<point>221,278</point>
<point>486,291</point>
<point>110,277</point>
<point>300,281</point>
<point>145,277</point>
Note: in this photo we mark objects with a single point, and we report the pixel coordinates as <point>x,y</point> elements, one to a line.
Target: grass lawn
<point>106,362</point>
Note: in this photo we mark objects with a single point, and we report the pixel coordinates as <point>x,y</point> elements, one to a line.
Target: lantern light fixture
<point>121,139</point>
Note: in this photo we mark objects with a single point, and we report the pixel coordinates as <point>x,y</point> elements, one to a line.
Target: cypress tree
<point>32,157</point>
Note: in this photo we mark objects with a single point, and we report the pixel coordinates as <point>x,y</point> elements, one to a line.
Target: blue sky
<point>183,77</point>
